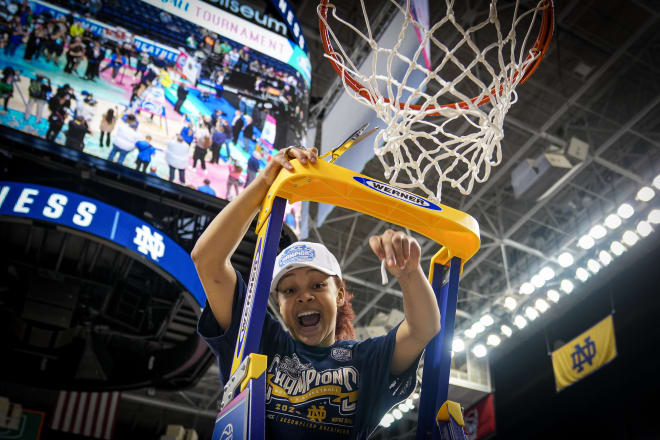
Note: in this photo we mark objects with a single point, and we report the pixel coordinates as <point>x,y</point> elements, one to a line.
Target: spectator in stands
<point>191,42</point>
<point>218,140</point>
<point>94,54</point>
<point>236,126</point>
<point>116,62</point>
<point>108,122</point>
<point>248,134</point>
<point>233,58</point>
<point>35,43</point>
<point>145,152</point>
<point>187,132</point>
<point>7,81</point>
<point>85,108</point>
<point>225,47</point>
<point>234,179</point>
<point>181,95</point>
<point>75,135</point>
<point>76,30</point>
<point>177,158</point>
<point>58,113</point>
<point>55,42</point>
<point>17,32</point>
<point>244,59</point>
<point>206,188</point>
<point>252,167</point>
<point>202,144</point>
<point>38,92</point>
<point>125,138</point>
<point>144,59</point>
<point>73,56</point>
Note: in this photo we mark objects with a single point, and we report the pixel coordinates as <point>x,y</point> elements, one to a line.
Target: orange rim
<point>540,47</point>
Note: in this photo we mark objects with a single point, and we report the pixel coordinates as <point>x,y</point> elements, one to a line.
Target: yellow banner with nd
<point>585,354</point>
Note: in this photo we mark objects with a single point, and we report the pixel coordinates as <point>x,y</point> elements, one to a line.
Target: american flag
<point>89,414</point>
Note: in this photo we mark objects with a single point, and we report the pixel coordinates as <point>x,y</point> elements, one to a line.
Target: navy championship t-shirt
<point>336,392</point>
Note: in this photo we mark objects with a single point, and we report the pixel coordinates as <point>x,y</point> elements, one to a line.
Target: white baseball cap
<point>304,254</point>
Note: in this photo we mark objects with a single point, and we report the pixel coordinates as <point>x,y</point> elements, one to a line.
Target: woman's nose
<point>305,296</point>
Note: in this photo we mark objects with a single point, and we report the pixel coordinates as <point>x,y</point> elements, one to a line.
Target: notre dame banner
<point>584,354</point>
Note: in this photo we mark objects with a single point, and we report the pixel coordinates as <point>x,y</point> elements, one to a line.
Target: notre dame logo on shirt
<point>298,389</point>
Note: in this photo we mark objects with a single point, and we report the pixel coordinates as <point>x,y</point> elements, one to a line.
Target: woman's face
<point>308,301</point>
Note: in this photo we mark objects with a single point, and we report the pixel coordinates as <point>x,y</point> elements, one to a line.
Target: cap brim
<point>289,267</point>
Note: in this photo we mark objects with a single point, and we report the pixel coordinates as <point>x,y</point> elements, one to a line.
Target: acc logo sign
<point>227,433</point>
<point>397,193</point>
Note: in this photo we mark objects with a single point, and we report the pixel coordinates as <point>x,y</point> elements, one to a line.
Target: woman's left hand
<point>400,251</point>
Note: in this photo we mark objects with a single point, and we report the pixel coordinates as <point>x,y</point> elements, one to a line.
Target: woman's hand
<point>281,160</point>
<point>400,251</point>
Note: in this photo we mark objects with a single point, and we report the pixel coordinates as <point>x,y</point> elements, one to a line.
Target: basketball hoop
<point>420,146</point>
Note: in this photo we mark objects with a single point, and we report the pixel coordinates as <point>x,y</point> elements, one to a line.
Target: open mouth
<point>309,319</point>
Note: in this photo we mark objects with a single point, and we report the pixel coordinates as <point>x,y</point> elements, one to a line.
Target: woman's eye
<point>319,285</point>
<point>287,291</point>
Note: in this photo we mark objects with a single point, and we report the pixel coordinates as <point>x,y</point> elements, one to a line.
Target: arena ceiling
<point>600,83</point>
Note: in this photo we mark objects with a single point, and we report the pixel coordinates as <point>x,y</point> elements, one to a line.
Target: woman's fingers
<point>395,247</point>
<point>376,246</point>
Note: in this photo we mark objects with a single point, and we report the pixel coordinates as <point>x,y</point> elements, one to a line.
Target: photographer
<point>38,90</point>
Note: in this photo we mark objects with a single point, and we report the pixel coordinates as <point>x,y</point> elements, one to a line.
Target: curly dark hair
<point>345,315</point>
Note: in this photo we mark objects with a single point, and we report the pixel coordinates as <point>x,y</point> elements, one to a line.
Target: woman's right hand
<point>282,158</point>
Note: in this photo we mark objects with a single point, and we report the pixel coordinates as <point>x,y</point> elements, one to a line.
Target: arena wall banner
<point>156,49</point>
<point>585,354</point>
<point>480,419</point>
<point>242,31</point>
<point>96,27</point>
<point>85,214</point>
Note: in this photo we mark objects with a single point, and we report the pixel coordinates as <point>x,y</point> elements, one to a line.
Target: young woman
<point>319,385</point>
<point>108,121</point>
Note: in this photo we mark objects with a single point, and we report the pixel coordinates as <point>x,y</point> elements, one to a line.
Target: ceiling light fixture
<point>617,248</point>
<point>510,303</point>
<point>598,232</point>
<point>645,194</point>
<point>506,330</point>
<point>586,242</point>
<point>644,228</point>
<point>613,221</point>
<point>625,211</point>
<point>605,257</point>
<point>553,295</point>
<point>566,286</point>
<point>582,274</point>
<point>565,259</point>
<point>480,350</point>
<point>630,238</point>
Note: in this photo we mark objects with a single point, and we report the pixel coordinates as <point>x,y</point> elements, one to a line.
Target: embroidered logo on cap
<point>297,254</point>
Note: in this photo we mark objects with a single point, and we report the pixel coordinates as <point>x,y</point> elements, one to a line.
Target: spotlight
<point>531,313</point>
<point>553,295</point>
<point>387,420</point>
<point>617,248</point>
<point>479,350</point>
<point>586,242</point>
<point>510,303</point>
<point>487,320</point>
<point>547,273</point>
<point>565,259</point>
<point>519,321</point>
<point>654,216</point>
<point>506,330</point>
<point>566,286</point>
<point>541,305</point>
<point>526,288</point>
<point>470,333</point>
<point>644,228</point>
<point>593,265</point>
<point>493,340</point>
<point>645,194</point>
<point>538,281</point>
<point>397,414</point>
<point>582,274</point>
<point>598,232</point>
<point>613,221</point>
<point>403,408</point>
<point>478,327</point>
<point>605,257</point>
<point>630,238</point>
<point>457,345</point>
<point>656,181</point>
<point>625,211</point>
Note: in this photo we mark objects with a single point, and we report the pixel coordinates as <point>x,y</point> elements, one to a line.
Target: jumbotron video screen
<point>200,93</point>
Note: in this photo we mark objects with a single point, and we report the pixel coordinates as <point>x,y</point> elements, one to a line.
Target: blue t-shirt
<point>324,393</point>
<point>145,150</point>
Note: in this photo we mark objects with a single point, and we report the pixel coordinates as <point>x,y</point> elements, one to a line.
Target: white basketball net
<point>419,144</point>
